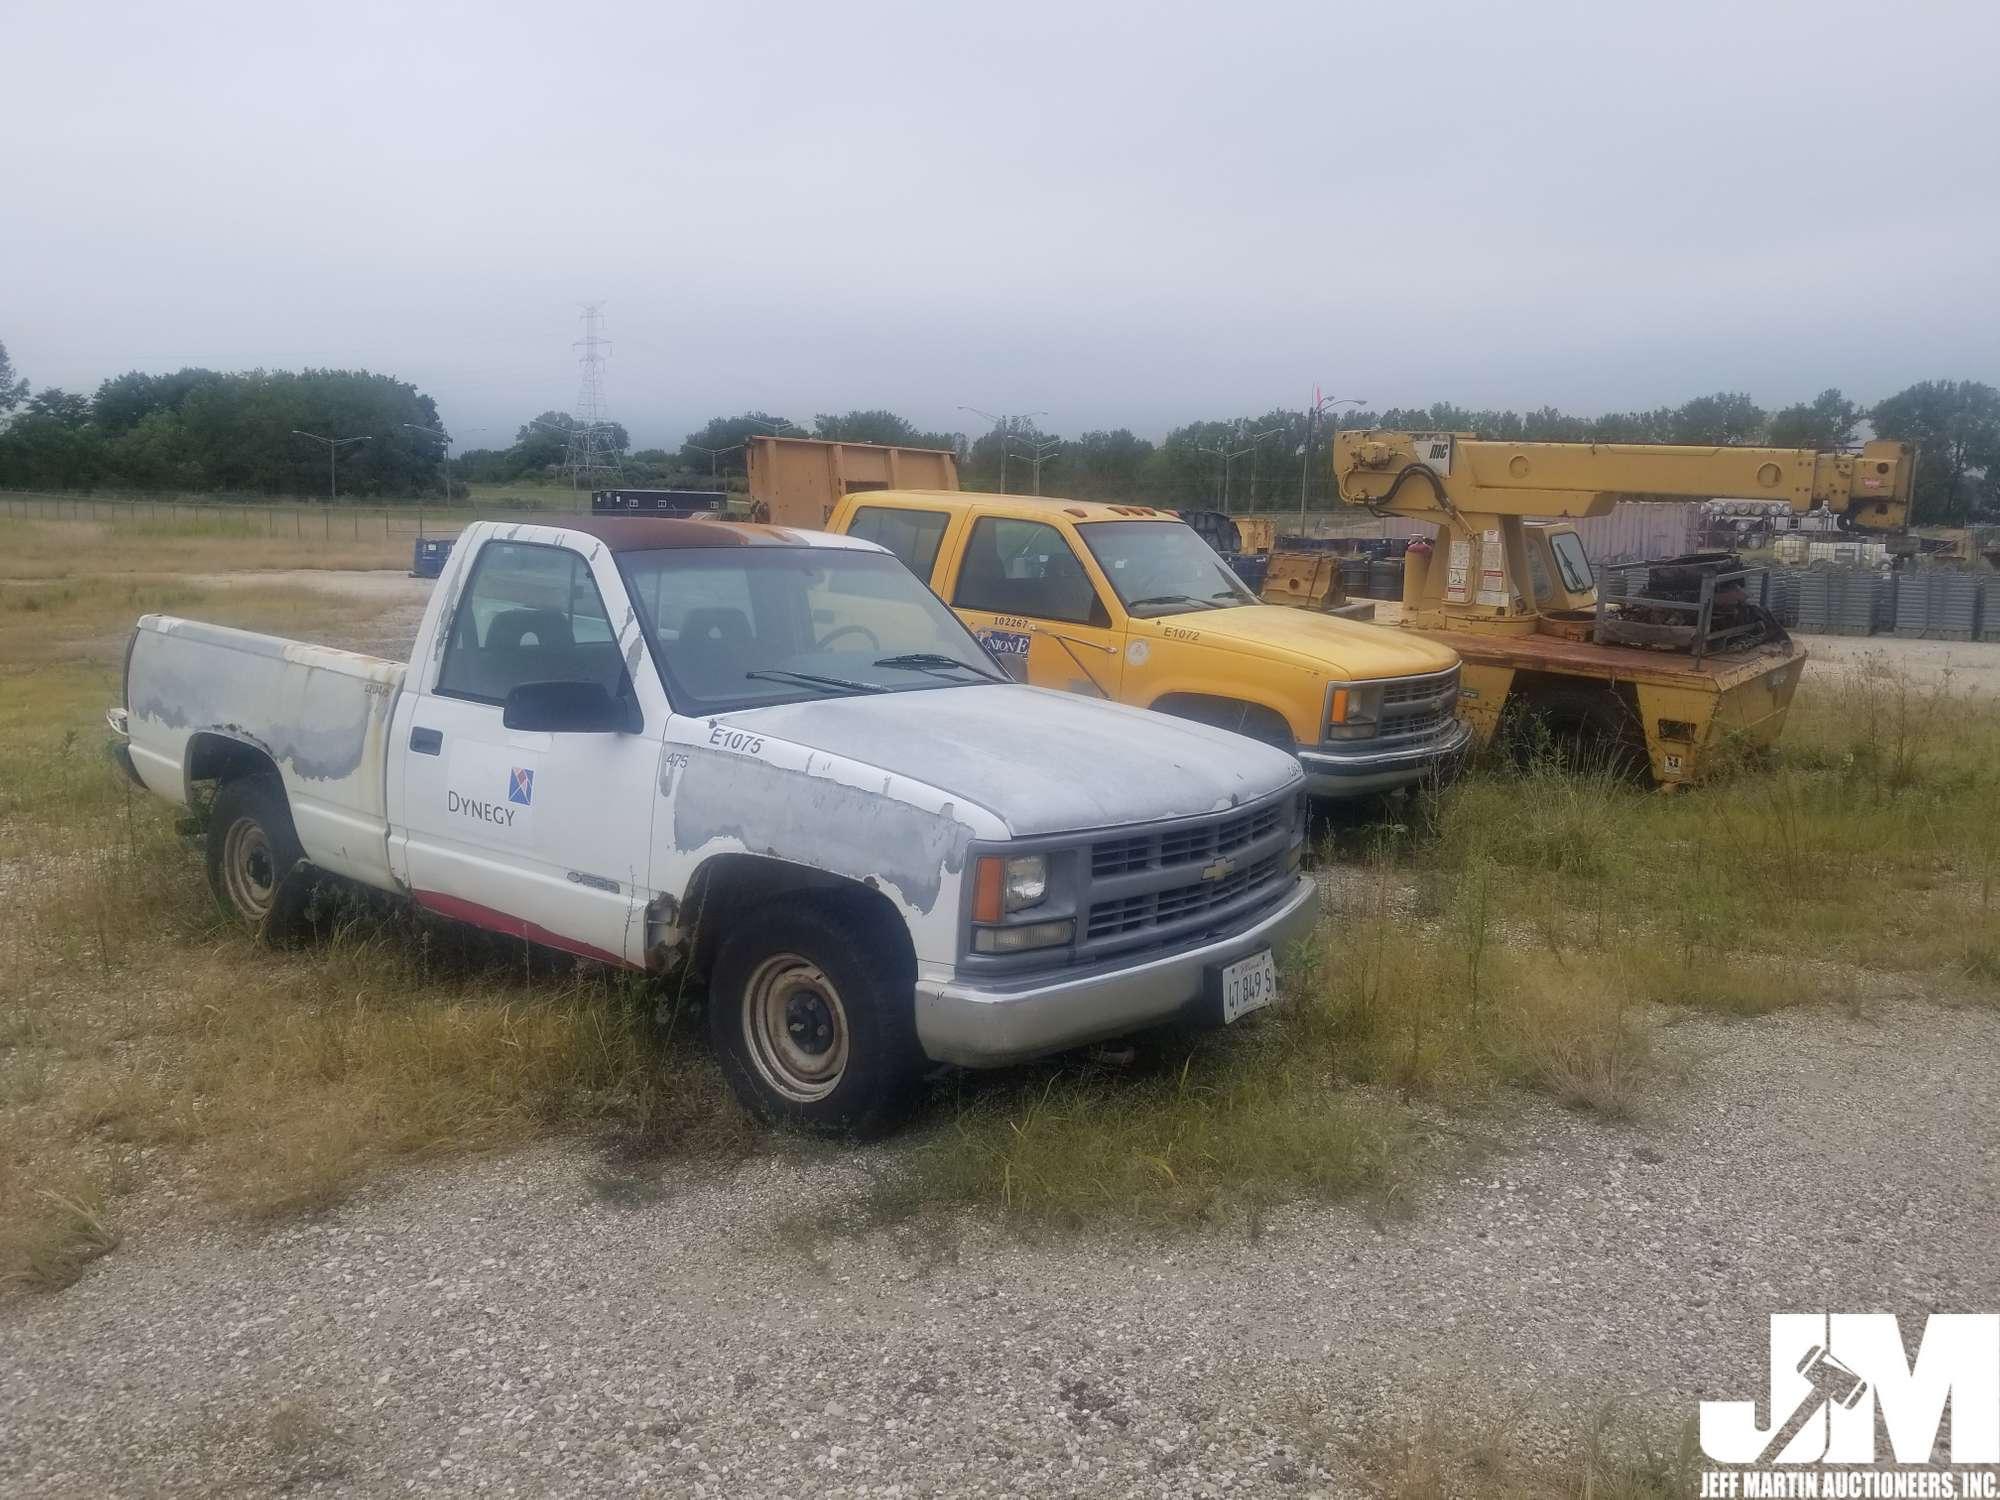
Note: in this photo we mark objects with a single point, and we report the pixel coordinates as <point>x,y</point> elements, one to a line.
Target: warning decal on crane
<point>1492,567</point>
<point>1458,577</point>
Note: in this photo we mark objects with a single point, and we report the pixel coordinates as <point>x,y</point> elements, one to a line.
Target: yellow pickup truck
<point>1126,602</point>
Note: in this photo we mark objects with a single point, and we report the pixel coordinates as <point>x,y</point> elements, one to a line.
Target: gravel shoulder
<point>522,1325</point>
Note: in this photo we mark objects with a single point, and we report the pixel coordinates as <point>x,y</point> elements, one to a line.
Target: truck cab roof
<point>1028,507</point>
<point>653,533</point>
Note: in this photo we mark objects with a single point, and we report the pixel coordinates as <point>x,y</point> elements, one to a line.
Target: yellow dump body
<point>798,481</point>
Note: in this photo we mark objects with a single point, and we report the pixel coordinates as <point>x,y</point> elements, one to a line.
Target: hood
<point>1351,649</point>
<point>1040,761</point>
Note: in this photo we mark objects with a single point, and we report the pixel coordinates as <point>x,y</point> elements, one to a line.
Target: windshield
<point>1162,567</point>
<point>735,627</point>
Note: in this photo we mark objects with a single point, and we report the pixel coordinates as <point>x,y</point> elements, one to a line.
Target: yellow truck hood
<point>1350,649</point>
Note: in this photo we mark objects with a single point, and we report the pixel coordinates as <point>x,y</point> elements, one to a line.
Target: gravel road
<point>513,1327</point>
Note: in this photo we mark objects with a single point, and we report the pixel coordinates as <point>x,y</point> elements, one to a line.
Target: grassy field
<point>1524,929</point>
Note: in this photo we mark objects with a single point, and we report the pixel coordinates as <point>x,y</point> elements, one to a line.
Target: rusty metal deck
<point>1548,653</point>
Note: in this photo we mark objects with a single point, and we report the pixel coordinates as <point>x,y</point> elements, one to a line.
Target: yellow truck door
<point>1022,589</point>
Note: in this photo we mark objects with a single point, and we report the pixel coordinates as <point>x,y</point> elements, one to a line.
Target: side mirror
<point>570,708</point>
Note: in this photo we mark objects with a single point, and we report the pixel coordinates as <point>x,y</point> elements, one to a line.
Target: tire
<point>252,849</point>
<point>814,1019</point>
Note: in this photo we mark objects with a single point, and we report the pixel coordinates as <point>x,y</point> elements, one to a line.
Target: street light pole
<point>1320,403</point>
<point>1222,487</point>
<point>441,433</point>
<point>333,447</point>
<point>1226,457</point>
<point>1002,425</point>
<point>1037,454</point>
<point>712,454</point>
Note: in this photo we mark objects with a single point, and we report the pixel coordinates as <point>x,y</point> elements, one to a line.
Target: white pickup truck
<point>773,757</point>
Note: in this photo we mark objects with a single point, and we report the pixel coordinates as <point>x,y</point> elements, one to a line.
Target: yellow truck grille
<point>1419,707</point>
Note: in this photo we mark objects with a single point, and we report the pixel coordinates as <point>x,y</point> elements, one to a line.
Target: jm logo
<point>1831,1374</point>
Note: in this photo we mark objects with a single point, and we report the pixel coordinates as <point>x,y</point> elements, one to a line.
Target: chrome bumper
<point>982,1026</point>
<point>1344,771</point>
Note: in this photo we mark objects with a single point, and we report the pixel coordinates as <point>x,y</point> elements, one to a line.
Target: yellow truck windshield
<point>1162,567</point>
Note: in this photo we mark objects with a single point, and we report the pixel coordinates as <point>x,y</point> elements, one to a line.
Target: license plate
<point>1248,984</point>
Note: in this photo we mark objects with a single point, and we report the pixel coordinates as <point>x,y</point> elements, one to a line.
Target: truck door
<point>544,835</point>
<point>1025,593</point>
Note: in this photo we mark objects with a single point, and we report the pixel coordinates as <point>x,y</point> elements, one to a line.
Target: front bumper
<point>1334,770</point>
<point>988,1025</point>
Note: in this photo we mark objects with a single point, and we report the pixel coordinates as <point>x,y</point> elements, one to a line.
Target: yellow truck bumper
<point>1352,770</point>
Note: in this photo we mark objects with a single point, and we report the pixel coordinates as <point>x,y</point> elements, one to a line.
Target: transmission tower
<point>591,458</point>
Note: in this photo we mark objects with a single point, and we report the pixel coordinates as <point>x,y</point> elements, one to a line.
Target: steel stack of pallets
<point>1942,604</point>
<point>1815,606</point>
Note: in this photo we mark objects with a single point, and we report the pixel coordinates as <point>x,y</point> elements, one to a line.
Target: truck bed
<point>1548,653</point>
<point>195,692</point>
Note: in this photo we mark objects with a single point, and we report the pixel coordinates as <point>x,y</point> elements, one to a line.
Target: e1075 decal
<point>1005,642</point>
<point>725,738</point>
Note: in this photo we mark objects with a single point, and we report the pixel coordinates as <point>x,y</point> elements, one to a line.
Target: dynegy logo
<point>1833,1375</point>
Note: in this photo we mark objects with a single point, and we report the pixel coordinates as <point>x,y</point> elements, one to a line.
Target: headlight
<point>1353,712</point>
<point>1026,882</point>
<point>1006,885</point>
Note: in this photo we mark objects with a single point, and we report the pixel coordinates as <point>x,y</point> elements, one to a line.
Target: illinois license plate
<point>1248,984</point>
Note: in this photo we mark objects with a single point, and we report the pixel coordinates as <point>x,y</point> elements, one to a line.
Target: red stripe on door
<point>493,920</point>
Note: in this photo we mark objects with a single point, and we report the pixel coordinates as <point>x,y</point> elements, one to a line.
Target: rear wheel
<point>814,1018</point>
<point>252,848</point>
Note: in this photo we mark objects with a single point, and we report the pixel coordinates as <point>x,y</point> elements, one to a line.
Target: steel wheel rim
<point>795,1028</point>
<point>248,870</point>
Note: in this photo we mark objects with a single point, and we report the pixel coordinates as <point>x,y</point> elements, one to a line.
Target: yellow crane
<point>1691,666</point>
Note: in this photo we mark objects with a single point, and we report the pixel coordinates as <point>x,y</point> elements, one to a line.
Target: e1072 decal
<point>1005,642</point>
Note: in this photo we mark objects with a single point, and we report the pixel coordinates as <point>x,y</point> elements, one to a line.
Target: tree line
<point>202,430</point>
<point>229,433</point>
<point>1260,462</point>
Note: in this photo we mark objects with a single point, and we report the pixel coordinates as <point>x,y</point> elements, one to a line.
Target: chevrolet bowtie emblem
<point>1216,869</point>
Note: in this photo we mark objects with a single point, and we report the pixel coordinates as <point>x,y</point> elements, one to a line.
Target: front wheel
<point>815,1021</point>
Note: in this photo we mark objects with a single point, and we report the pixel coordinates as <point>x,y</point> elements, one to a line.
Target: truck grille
<point>1419,707</point>
<point>1184,846</point>
<point>1131,913</point>
<point>1156,887</point>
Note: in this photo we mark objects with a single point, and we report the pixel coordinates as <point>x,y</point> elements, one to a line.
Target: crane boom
<point>1433,475</point>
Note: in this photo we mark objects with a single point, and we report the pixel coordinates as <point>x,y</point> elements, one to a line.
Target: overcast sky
<point>1125,215</point>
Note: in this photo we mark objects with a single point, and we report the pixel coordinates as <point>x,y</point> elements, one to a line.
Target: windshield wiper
<point>1170,599</point>
<point>932,661</point>
<point>813,680</point>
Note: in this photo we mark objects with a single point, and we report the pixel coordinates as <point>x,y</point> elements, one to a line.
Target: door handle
<point>426,741</point>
